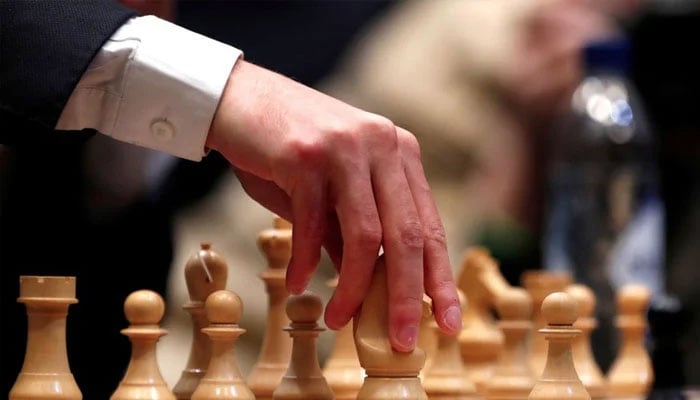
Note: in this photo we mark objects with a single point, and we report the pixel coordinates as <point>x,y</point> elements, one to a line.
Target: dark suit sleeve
<point>45,46</point>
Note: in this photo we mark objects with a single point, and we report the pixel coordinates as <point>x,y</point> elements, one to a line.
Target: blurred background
<point>561,134</point>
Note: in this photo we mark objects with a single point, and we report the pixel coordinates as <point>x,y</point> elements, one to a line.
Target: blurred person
<point>478,82</point>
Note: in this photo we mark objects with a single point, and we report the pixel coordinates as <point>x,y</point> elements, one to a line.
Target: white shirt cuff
<point>153,84</point>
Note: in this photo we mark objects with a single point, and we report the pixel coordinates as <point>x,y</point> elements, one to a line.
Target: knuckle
<point>411,235</point>
<point>407,306</point>
<point>434,233</point>
<point>368,234</point>
<point>346,137</point>
<point>410,146</point>
<point>444,288</point>
<point>380,130</point>
<point>304,152</point>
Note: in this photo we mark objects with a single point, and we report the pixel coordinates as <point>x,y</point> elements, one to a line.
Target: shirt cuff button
<point>163,130</point>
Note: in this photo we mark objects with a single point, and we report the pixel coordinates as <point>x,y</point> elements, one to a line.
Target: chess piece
<point>427,338</point>
<point>276,349</point>
<point>144,310</point>
<point>480,339</point>
<point>586,366</point>
<point>206,271</point>
<point>222,379</point>
<point>304,379</point>
<point>512,377</point>
<point>445,377</point>
<point>342,370</point>
<point>559,380</point>
<point>540,284</point>
<point>631,374</point>
<point>45,373</point>
<point>391,375</point>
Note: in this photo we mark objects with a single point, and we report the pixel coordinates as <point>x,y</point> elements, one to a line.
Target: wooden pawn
<point>304,379</point>
<point>223,380</point>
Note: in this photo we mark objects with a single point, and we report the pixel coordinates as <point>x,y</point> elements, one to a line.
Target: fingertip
<point>447,307</point>
<point>334,318</point>
<point>295,289</point>
<point>404,338</point>
<point>451,320</point>
<point>295,283</point>
<point>404,318</point>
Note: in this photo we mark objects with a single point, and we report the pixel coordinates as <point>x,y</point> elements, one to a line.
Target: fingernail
<point>407,337</point>
<point>452,318</point>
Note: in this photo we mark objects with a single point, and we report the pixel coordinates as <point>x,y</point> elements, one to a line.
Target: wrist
<point>221,125</point>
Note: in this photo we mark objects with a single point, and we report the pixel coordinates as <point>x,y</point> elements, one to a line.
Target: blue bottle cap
<point>612,54</point>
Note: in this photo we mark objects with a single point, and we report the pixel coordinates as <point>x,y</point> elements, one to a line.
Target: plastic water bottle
<point>605,219</point>
<point>605,214</point>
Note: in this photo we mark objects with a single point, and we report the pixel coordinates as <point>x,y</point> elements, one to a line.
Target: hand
<point>347,180</point>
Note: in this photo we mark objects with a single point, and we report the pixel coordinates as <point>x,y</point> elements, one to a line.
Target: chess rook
<point>144,310</point>
<point>586,366</point>
<point>342,370</point>
<point>391,375</point>
<point>45,373</point>
<point>631,374</point>
<point>559,380</point>
<point>512,378</point>
<point>223,379</point>
<point>304,379</point>
<point>276,349</point>
<point>206,271</point>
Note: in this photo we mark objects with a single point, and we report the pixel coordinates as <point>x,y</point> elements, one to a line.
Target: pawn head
<point>560,308</point>
<point>223,307</point>
<point>585,298</point>
<point>144,307</point>
<point>304,308</point>
<point>633,299</point>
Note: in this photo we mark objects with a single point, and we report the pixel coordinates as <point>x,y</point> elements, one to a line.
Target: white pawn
<point>143,380</point>
<point>586,365</point>
<point>631,374</point>
<point>304,378</point>
<point>559,380</point>
<point>223,379</point>
<point>445,378</point>
<point>513,377</point>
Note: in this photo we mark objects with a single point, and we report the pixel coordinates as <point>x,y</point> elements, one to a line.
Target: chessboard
<point>531,341</point>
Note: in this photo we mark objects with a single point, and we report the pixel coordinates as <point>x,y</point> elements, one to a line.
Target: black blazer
<point>45,227</point>
<point>45,46</point>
